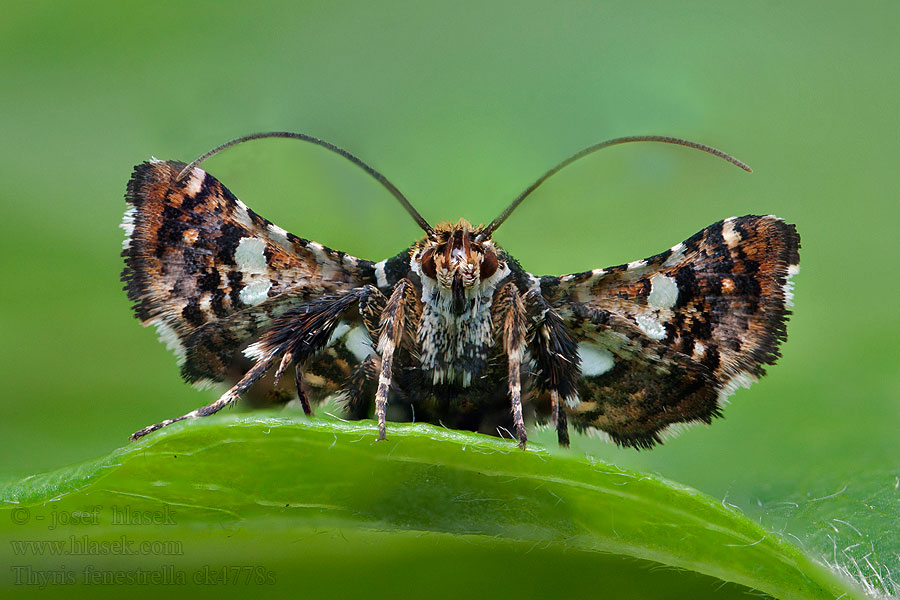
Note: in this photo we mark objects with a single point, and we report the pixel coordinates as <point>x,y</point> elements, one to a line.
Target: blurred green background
<point>462,105</point>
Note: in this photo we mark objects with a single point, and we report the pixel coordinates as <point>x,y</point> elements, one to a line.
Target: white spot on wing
<point>651,327</point>
<point>195,182</point>
<point>128,226</point>
<point>789,285</point>
<point>255,292</point>
<point>637,264</point>
<point>732,238</point>
<point>251,260</point>
<point>338,333</point>
<point>278,234</point>
<point>740,380</point>
<point>676,256</point>
<point>380,276</point>
<point>663,291</point>
<point>242,215</point>
<point>169,337</point>
<point>250,257</point>
<point>320,252</point>
<point>357,341</point>
<point>699,351</point>
<point>595,360</point>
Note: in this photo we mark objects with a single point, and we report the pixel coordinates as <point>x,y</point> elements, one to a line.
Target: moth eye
<point>488,264</point>
<point>428,264</point>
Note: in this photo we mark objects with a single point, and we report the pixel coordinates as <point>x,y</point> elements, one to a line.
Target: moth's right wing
<point>667,339</point>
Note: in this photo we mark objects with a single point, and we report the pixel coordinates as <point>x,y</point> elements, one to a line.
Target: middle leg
<point>392,325</point>
<point>555,353</point>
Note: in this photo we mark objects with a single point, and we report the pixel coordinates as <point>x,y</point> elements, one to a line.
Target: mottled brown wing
<point>667,339</point>
<point>210,274</point>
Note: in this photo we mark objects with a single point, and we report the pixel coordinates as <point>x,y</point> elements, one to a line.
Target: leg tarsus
<point>560,422</point>
<point>521,434</point>
<point>229,397</point>
<point>301,395</point>
<point>562,430</point>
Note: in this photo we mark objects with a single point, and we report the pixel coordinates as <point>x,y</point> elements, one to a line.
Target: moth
<point>452,330</point>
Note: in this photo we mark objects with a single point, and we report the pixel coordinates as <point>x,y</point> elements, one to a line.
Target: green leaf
<point>272,497</point>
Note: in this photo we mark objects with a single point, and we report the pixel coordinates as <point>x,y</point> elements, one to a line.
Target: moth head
<point>453,259</point>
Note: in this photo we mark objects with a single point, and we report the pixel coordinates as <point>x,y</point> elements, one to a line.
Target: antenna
<point>487,231</point>
<point>420,221</point>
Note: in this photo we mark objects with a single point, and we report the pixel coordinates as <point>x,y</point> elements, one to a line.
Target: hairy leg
<point>511,310</point>
<point>392,327</point>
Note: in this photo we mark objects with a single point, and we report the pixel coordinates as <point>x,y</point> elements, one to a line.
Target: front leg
<point>509,310</point>
<point>392,325</point>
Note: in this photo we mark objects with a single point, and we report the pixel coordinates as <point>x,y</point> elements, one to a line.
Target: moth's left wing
<point>210,274</point>
<point>667,339</point>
